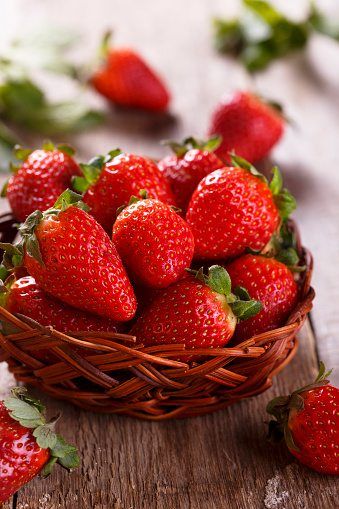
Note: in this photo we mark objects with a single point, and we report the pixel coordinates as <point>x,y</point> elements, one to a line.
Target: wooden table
<point>222,460</point>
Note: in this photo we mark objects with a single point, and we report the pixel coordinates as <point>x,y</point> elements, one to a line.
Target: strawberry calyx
<point>30,413</point>
<point>91,171</point>
<point>283,199</point>
<point>180,149</point>
<point>219,281</point>
<point>143,195</point>
<point>281,406</point>
<point>283,247</point>
<point>14,253</point>
<point>21,154</point>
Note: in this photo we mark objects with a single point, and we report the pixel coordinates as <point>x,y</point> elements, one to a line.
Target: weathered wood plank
<point>216,461</point>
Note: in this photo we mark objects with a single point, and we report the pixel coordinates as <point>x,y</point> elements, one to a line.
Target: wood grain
<point>221,460</point>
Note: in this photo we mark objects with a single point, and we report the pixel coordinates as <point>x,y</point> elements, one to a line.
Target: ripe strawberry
<point>154,242</point>
<point>248,126</point>
<point>41,178</point>
<point>109,182</point>
<point>72,258</point>
<point>235,208</point>
<point>308,419</point>
<point>270,282</point>
<point>199,312</point>
<point>127,80</point>
<point>28,444</point>
<point>191,162</point>
<point>24,296</point>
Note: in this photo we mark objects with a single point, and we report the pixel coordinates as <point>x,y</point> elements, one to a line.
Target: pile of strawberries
<point>192,250</point>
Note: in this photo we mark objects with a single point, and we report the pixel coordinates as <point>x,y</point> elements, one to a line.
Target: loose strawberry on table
<point>270,282</point>
<point>72,258</point>
<point>28,443</point>
<point>308,419</point>
<point>155,244</point>
<point>192,161</point>
<point>42,176</point>
<point>109,182</point>
<point>125,79</point>
<point>249,126</point>
<point>235,208</point>
<point>198,311</point>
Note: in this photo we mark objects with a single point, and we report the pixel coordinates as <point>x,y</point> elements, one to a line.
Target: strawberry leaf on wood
<point>30,413</point>
<point>263,34</point>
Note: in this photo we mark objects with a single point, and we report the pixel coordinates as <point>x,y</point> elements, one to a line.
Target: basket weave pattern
<point>107,372</point>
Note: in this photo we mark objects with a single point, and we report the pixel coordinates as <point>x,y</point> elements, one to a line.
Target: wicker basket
<point>107,372</point>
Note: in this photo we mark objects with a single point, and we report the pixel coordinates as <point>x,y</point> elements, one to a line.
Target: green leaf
<point>21,153</point>
<point>48,145</point>
<point>246,309</point>
<point>276,182</point>
<point>47,469</point>
<point>80,184</point>
<point>228,36</point>
<point>240,162</point>
<point>33,248</point>
<point>66,199</point>
<point>219,280</point>
<point>241,293</point>
<point>4,273</point>
<point>66,149</point>
<point>22,411</point>
<point>181,148</point>
<point>288,256</point>
<point>91,172</point>
<point>45,436</point>
<point>322,374</point>
<point>285,203</point>
<point>65,453</point>
<point>4,189</point>
<point>261,35</point>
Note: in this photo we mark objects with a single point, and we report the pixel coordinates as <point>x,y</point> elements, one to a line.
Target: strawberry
<point>248,125</point>
<point>109,182</point>
<point>199,312</point>
<point>270,282</point>
<point>235,208</point>
<point>43,175</point>
<point>28,443</point>
<point>308,419</point>
<point>24,296</point>
<point>154,242</point>
<point>191,162</point>
<point>125,79</point>
<point>72,258</point>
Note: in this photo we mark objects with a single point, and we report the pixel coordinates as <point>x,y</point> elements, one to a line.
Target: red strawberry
<point>28,444</point>
<point>154,242</point>
<point>248,126</point>
<point>193,160</point>
<point>109,182</point>
<point>24,296</point>
<point>41,178</point>
<point>308,419</point>
<point>235,208</point>
<point>127,80</point>
<point>72,258</point>
<point>199,312</point>
<point>270,282</point>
